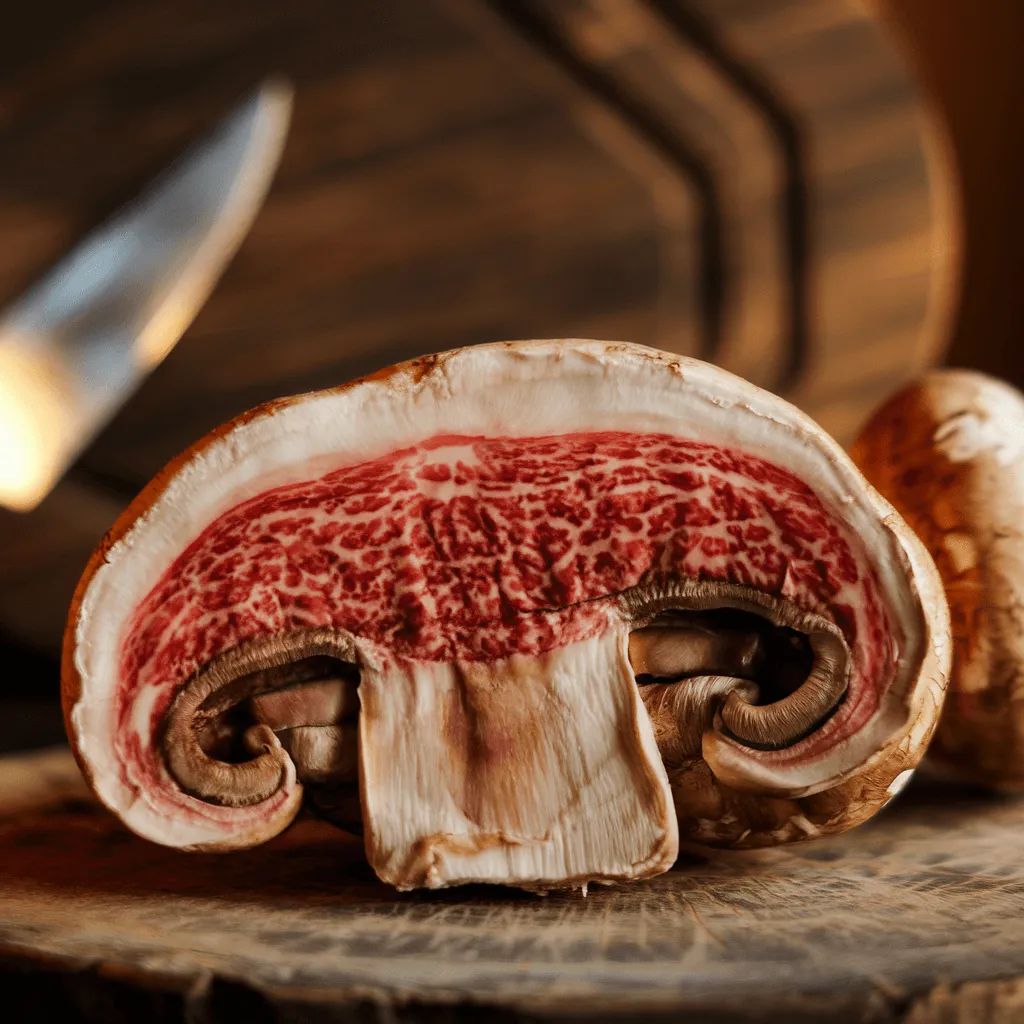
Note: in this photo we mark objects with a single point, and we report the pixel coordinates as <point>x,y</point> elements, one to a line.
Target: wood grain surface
<point>752,181</point>
<point>917,916</point>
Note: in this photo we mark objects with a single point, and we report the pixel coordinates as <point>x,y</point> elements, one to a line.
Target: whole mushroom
<point>948,452</point>
<point>528,612</point>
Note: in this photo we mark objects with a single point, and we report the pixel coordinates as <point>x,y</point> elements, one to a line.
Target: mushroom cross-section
<point>527,612</point>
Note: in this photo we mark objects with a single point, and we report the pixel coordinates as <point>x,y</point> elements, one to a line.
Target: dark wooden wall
<point>968,55</point>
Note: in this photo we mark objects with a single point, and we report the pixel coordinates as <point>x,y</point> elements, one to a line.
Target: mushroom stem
<point>785,721</point>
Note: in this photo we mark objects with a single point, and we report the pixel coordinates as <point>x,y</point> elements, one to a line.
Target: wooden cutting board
<point>916,917</point>
<point>752,181</point>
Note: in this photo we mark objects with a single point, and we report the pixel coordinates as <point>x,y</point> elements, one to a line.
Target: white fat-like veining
<point>142,711</point>
<point>532,389</point>
<point>526,771</point>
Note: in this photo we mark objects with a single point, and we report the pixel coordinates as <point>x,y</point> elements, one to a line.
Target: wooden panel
<point>41,560</point>
<point>881,269</point>
<point>743,179</point>
<point>904,919</point>
<point>969,58</point>
<point>723,146</point>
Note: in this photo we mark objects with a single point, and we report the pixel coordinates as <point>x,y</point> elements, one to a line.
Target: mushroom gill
<point>768,686</point>
<point>267,712</point>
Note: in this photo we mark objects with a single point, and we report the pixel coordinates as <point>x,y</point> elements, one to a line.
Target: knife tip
<point>278,92</point>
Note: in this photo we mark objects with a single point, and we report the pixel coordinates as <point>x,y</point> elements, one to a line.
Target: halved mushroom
<point>948,452</point>
<point>591,597</point>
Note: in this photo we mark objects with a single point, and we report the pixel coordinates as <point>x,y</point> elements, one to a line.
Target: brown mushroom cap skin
<point>720,789</point>
<point>948,452</point>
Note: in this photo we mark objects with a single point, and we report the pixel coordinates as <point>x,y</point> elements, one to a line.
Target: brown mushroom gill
<point>768,685</point>
<point>234,726</point>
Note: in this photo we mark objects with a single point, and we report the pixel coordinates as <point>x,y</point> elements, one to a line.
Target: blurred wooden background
<point>746,180</point>
<point>968,57</point>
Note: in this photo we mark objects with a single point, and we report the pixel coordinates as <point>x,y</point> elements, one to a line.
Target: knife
<point>81,340</point>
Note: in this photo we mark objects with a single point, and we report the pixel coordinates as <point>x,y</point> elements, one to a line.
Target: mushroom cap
<point>846,558</point>
<point>948,452</point>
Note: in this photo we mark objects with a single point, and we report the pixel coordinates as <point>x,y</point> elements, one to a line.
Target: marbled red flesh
<point>479,548</point>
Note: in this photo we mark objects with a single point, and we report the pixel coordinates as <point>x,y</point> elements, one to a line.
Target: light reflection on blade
<point>77,344</point>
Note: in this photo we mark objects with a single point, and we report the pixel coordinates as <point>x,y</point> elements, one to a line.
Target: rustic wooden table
<point>917,917</point>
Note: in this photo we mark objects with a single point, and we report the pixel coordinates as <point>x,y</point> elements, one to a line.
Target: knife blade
<point>79,342</point>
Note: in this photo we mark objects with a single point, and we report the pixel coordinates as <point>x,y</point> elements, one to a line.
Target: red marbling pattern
<point>478,548</point>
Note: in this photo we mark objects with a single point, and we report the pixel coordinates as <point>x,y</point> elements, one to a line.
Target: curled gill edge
<point>782,723</point>
<point>220,685</point>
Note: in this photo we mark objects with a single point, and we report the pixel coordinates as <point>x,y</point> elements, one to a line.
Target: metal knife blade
<point>77,344</point>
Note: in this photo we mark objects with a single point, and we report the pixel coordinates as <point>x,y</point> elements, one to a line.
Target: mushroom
<point>948,452</point>
<point>590,599</point>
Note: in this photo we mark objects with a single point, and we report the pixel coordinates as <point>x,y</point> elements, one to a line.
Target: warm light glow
<point>161,334</point>
<point>119,302</point>
<point>37,427</point>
